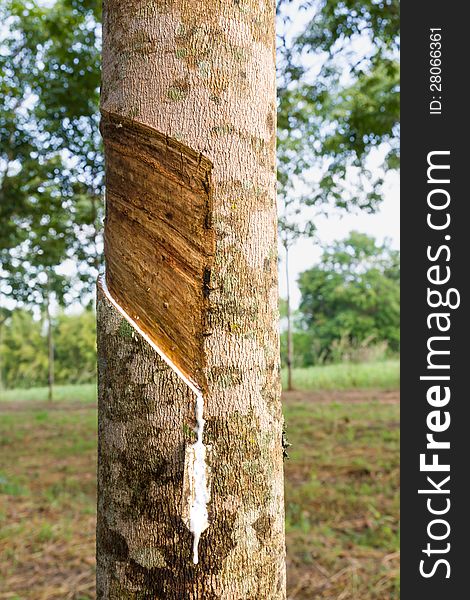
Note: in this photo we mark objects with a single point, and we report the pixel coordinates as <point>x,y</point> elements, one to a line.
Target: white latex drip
<point>198,516</point>
<point>198,511</point>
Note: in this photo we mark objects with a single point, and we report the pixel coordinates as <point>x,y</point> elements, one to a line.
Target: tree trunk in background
<point>50,352</point>
<point>201,72</point>
<point>2,321</point>
<point>290,344</point>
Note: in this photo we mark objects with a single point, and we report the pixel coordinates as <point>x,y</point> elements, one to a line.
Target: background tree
<point>51,165</point>
<point>30,270</point>
<point>338,100</point>
<point>75,347</point>
<point>352,294</point>
<point>24,351</point>
<point>50,154</point>
<point>289,233</point>
<point>5,314</point>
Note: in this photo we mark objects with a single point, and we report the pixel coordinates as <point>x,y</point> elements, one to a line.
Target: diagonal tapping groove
<point>159,241</point>
<point>159,249</point>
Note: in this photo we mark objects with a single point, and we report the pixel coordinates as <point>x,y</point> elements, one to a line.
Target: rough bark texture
<point>201,72</point>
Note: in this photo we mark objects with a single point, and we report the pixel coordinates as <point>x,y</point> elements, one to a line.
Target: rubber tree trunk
<point>202,75</point>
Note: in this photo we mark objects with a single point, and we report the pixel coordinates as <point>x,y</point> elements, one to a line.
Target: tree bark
<point>50,352</point>
<point>201,73</point>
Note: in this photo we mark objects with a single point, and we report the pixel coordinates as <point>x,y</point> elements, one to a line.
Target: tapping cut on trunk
<point>159,243</point>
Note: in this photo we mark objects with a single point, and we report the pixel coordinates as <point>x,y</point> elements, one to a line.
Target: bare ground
<point>338,547</point>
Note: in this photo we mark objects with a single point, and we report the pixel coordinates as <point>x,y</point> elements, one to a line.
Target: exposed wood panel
<point>159,244</point>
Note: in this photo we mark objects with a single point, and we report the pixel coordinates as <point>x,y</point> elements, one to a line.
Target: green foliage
<point>338,99</point>
<point>352,296</point>
<point>24,352</point>
<point>50,154</point>
<point>304,348</point>
<point>75,347</point>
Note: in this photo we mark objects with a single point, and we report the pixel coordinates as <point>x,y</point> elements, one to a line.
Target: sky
<point>385,223</point>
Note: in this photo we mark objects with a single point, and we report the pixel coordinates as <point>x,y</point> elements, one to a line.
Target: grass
<point>47,501</point>
<point>341,496</point>
<point>62,393</point>
<point>342,499</point>
<point>380,375</point>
